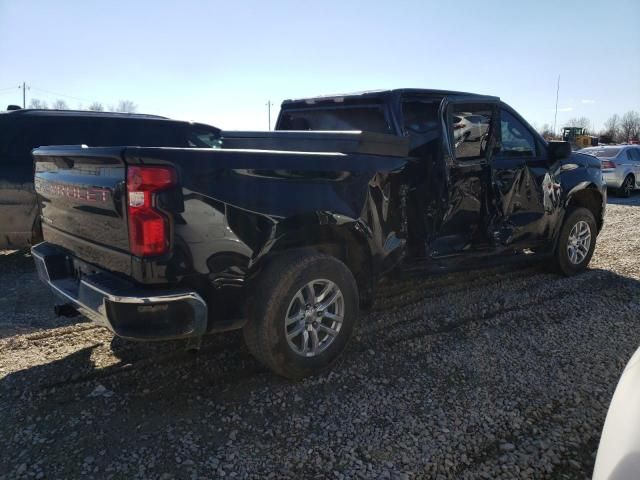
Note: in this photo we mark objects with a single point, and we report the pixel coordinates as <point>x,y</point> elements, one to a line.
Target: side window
<point>470,125</point>
<point>517,140</point>
<point>635,154</point>
<point>202,138</point>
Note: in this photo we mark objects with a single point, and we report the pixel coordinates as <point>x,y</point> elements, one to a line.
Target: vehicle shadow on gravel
<point>25,304</point>
<point>224,360</point>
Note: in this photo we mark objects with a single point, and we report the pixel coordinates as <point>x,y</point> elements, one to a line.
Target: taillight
<point>148,227</point>
<point>608,164</point>
<point>457,126</point>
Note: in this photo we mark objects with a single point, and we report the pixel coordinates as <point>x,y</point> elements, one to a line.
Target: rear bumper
<point>127,310</point>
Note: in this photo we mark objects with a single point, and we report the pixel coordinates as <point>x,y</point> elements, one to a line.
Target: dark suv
<point>23,130</point>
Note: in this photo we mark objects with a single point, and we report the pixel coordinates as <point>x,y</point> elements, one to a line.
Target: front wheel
<point>302,312</point>
<point>576,242</point>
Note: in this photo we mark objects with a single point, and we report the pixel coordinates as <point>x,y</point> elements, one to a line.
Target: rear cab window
<point>367,118</point>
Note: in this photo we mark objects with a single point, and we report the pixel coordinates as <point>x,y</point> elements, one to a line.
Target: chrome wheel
<point>314,317</point>
<point>579,242</point>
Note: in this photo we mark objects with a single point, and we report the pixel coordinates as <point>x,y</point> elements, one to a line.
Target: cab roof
<point>379,95</point>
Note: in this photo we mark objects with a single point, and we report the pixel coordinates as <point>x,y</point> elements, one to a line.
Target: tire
<point>281,293</point>
<point>570,261</point>
<point>626,189</point>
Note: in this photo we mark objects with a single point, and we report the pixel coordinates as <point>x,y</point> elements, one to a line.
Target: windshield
<point>364,118</point>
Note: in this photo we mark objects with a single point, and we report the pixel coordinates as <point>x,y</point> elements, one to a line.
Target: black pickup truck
<point>285,234</point>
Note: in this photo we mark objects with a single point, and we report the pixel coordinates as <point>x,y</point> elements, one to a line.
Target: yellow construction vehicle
<point>578,138</point>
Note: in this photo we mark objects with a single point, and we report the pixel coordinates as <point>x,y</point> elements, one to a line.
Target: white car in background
<point>619,451</point>
<point>471,127</point>
<point>620,166</point>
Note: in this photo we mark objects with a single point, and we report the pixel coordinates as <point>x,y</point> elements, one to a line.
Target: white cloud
<point>564,109</point>
<point>587,101</point>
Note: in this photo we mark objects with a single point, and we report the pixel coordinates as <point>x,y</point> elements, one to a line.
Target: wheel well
<point>341,244</point>
<point>590,199</point>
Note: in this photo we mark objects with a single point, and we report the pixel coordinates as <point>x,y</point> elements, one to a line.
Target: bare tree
<point>37,103</point>
<point>582,122</point>
<point>126,106</point>
<point>612,127</point>
<point>630,126</point>
<point>96,107</point>
<point>60,105</point>
<point>546,131</point>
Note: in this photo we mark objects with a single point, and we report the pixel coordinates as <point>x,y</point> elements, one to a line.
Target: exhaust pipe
<point>65,310</point>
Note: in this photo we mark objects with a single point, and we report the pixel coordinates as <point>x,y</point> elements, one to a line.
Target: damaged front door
<point>520,171</point>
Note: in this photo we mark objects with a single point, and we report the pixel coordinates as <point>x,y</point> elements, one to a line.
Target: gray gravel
<point>501,373</point>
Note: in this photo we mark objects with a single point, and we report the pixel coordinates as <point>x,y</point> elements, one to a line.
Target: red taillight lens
<point>608,164</point>
<point>148,227</point>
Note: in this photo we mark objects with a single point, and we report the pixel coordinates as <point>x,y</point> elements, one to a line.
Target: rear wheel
<point>576,242</point>
<point>626,189</point>
<point>302,313</point>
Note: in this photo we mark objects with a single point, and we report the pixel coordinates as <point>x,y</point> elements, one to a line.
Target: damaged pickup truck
<point>285,234</point>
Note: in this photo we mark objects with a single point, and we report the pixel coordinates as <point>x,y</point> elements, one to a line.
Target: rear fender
<point>346,239</point>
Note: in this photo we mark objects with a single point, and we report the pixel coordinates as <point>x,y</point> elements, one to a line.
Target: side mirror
<point>559,150</point>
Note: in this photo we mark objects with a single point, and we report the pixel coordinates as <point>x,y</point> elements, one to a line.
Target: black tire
<point>269,305</point>
<point>562,259</point>
<point>626,189</point>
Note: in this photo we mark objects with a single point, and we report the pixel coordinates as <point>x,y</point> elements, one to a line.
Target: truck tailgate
<point>81,193</point>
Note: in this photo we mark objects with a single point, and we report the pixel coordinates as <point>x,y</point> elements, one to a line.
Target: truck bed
<point>319,141</point>
<point>228,208</point>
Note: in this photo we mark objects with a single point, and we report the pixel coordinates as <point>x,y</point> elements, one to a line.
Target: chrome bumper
<point>127,310</point>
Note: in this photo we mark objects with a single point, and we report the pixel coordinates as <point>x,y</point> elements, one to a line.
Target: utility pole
<point>268,104</point>
<point>555,118</point>
<point>24,94</point>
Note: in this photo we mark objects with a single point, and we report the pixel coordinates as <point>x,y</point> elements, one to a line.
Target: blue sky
<point>219,62</point>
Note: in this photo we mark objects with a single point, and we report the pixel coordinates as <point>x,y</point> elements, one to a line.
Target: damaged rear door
<point>470,123</point>
<point>519,170</point>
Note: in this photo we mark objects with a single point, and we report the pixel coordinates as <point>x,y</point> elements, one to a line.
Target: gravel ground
<point>500,373</point>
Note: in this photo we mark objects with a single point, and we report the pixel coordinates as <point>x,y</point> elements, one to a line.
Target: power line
<point>8,88</point>
<point>61,94</point>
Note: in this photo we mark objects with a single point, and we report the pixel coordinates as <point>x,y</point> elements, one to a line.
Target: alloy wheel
<point>579,242</point>
<point>314,317</point>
